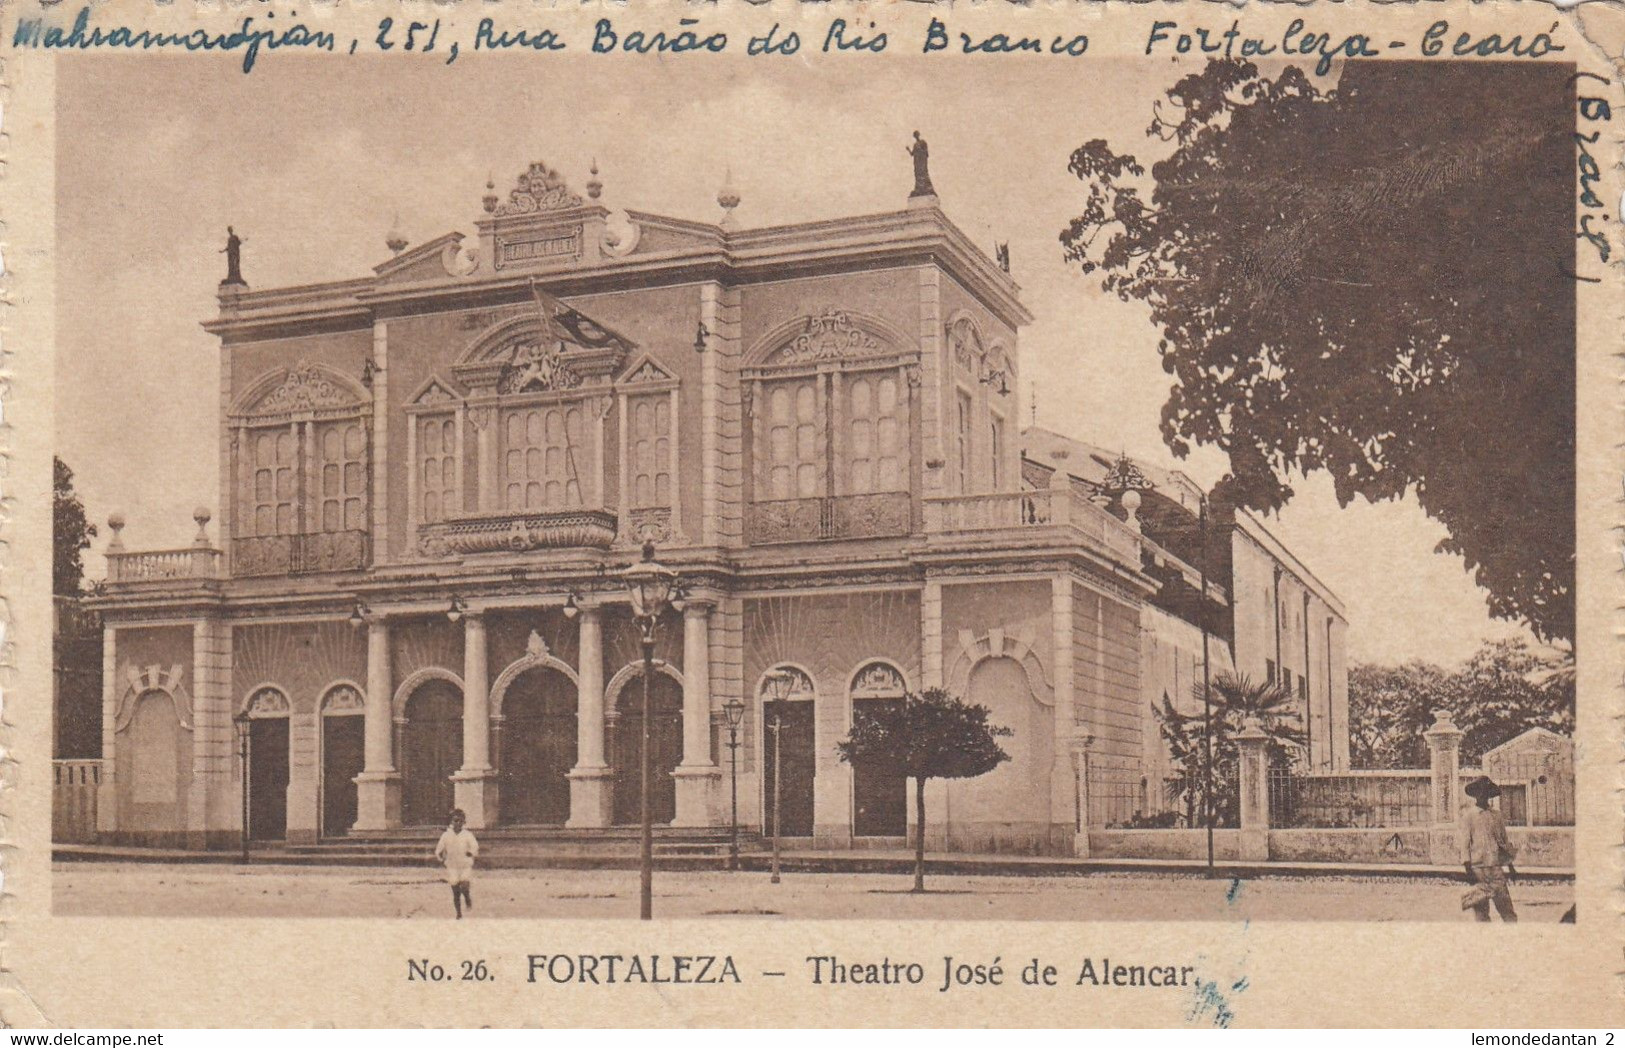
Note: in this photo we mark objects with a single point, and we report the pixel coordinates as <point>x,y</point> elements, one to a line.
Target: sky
<point>313,163</point>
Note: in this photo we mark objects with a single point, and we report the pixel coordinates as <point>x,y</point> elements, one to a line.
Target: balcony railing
<point>1063,511</point>
<point>517,532</point>
<point>878,515</point>
<point>193,562</point>
<point>321,551</point>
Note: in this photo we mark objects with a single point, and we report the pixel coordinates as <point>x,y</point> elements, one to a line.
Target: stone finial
<point>115,524</point>
<point>490,198</point>
<point>728,198</point>
<point>595,186</point>
<point>1131,506</point>
<point>201,516</point>
<point>395,240</point>
<point>1252,730</point>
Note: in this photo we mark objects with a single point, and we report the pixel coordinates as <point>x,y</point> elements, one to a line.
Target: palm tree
<point>1234,700</point>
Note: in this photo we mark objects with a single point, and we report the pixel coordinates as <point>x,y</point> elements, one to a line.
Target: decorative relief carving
<point>533,368</point>
<point>801,685</point>
<point>518,532</point>
<point>343,699</point>
<point>829,335</point>
<point>966,342</point>
<point>647,524</point>
<point>649,372</point>
<point>436,394</point>
<point>306,388</point>
<point>878,680</point>
<point>269,703</point>
<point>299,554</point>
<point>538,189</point>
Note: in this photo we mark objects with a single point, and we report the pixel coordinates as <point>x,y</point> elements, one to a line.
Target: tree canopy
<point>1348,280</point>
<point>932,735</point>
<point>1231,700</point>
<point>1505,689</point>
<point>71,533</point>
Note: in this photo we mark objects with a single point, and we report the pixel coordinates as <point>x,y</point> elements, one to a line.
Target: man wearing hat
<point>1486,853</point>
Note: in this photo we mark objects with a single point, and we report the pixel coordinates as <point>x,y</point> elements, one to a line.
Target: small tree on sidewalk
<point>932,735</point>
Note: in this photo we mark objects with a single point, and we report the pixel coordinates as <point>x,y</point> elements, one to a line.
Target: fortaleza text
<point>829,970</point>
<point>609,969</point>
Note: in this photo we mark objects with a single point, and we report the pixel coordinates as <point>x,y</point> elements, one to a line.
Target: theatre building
<point>434,475</point>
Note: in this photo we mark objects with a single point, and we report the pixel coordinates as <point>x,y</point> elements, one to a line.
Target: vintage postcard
<point>1070,514</point>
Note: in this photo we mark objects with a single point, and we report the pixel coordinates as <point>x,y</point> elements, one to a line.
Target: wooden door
<point>795,748</point>
<point>268,778</point>
<point>879,794</point>
<point>343,758</point>
<point>665,749</point>
<point>538,748</point>
<point>431,751</point>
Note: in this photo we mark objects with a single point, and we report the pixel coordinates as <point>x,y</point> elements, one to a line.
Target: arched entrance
<point>343,757</point>
<point>538,747</point>
<point>268,765</point>
<point>879,794</point>
<point>665,748</point>
<point>431,751</point>
<point>792,758</point>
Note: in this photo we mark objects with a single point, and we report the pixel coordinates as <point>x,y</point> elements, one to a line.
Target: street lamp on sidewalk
<point>734,711</point>
<point>780,685</point>
<point>649,584</point>
<point>241,723</point>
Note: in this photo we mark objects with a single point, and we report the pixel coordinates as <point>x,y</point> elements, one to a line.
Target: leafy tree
<point>1232,700</point>
<point>1505,689</point>
<point>1349,281</point>
<point>71,532</point>
<point>932,735</point>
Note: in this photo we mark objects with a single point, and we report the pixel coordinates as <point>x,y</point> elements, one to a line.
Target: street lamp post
<point>649,584</point>
<point>241,723</point>
<point>779,685</point>
<point>734,710</point>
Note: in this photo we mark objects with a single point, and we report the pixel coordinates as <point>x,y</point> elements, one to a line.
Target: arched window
<point>829,419</point>
<point>302,469</point>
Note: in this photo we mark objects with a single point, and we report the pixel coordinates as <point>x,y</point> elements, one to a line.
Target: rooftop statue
<point>922,174</point>
<point>234,259</point>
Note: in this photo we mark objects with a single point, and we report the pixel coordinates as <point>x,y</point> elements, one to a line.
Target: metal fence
<point>1118,798</point>
<point>1373,800</point>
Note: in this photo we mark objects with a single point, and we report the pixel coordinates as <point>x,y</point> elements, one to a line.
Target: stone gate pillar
<point>1444,787</point>
<point>378,787</point>
<point>591,789</point>
<point>1251,742</point>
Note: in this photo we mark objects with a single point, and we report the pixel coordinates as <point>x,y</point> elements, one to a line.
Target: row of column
<point>378,787</point>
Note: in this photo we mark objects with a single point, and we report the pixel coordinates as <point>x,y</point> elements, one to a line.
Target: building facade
<point>433,476</point>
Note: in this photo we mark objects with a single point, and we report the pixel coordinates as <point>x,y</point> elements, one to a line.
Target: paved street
<point>198,890</point>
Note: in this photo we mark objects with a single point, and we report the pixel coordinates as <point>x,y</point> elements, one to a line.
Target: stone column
<point>698,773</point>
<point>591,788</point>
<point>1082,740</point>
<point>378,787</point>
<point>1444,761</point>
<point>1255,797</point>
<point>472,782</point>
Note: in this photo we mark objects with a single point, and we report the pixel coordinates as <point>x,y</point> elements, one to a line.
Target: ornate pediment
<point>304,388</point>
<point>646,370</point>
<point>538,189</point>
<point>555,347</point>
<point>830,335</point>
<point>434,393</point>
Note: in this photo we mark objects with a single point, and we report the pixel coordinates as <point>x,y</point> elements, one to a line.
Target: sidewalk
<point>890,861</point>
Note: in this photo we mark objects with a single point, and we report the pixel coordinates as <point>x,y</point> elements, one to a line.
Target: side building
<point>433,476</point>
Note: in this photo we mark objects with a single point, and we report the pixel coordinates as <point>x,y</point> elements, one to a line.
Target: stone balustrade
<point>1049,508</point>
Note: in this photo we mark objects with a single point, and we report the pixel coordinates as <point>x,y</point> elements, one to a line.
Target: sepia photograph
<point>614,490</point>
